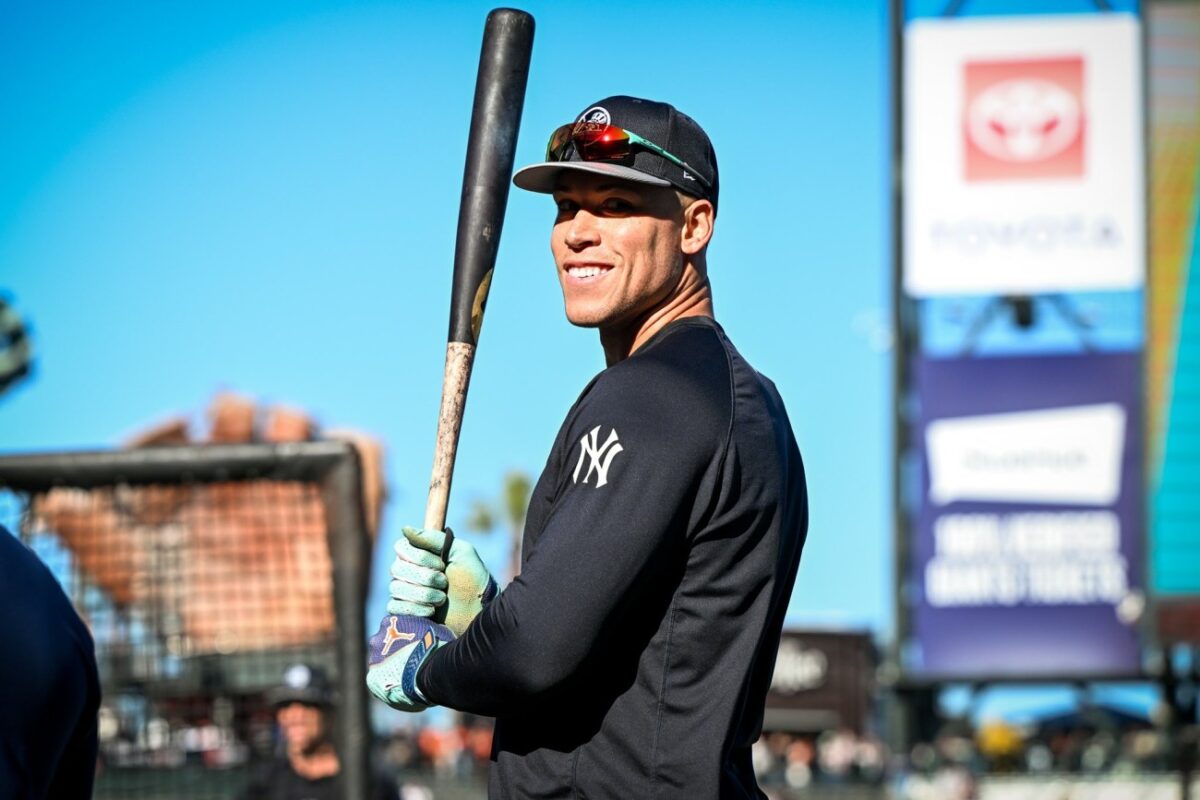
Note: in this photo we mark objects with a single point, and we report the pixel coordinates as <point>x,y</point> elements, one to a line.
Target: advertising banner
<point>1023,155</point>
<point>1026,557</point>
<point>823,680</point>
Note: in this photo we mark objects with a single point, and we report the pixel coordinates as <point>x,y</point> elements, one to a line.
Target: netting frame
<point>333,465</point>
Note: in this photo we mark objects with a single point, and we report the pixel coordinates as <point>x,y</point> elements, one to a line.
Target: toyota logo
<point>1024,120</point>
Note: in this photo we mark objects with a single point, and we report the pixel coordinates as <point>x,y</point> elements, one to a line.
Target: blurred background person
<point>309,767</point>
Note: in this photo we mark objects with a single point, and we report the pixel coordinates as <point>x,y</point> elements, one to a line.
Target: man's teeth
<point>585,271</point>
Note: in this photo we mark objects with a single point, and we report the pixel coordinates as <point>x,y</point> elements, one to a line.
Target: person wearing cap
<point>309,767</point>
<point>632,655</point>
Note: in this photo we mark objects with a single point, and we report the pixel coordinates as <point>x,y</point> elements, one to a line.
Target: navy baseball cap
<point>659,123</point>
<point>303,683</point>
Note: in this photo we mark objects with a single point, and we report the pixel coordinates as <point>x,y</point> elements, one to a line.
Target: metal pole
<point>349,550</point>
<point>188,463</point>
<point>899,716</point>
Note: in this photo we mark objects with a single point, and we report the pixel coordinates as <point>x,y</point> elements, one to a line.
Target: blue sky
<point>262,197</point>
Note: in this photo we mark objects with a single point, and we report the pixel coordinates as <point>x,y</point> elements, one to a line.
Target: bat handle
<point>459,358</point>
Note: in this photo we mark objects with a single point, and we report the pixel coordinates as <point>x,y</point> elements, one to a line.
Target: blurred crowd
<point>456,751</point>
<point>461,749</point>
<point>1001,748</point>
<point>950,765</point>
<point>175,742</point>
<point>833,757</point>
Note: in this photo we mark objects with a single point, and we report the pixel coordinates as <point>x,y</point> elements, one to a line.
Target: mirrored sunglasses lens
<point>556,149</point>
<point>601,142</point>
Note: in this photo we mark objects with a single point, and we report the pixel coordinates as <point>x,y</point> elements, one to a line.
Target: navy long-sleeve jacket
<point>632,655</point>
<point>49,684</point>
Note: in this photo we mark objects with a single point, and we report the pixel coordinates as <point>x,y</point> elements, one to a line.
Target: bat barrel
<point>495,120</point>
<point>491,147</point>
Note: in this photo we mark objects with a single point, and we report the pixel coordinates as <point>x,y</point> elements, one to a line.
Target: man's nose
<point>582,231</point>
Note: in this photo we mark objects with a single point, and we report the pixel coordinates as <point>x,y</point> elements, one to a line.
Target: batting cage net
<point>203,573</point>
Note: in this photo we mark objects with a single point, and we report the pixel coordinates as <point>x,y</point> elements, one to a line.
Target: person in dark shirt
<point>632,655</point>
<point>49,684</point>
<point>309,768</point>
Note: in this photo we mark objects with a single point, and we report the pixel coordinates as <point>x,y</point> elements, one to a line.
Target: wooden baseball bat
<point>491,148</point>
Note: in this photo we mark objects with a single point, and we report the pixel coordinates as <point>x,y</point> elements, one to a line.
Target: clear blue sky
<point>262,197</point>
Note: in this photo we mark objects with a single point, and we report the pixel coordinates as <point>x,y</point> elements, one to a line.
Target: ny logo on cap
<point>596,114</point>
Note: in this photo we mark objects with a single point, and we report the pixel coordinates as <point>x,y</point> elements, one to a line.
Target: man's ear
<point>697,227</point>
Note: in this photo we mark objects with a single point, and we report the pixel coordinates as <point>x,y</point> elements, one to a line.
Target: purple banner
<point>1026,551</point>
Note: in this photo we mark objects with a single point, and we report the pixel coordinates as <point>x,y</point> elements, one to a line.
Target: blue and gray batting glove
<point>395,655</point>
<point>422,582</point>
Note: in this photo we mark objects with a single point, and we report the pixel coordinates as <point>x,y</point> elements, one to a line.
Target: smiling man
<point>632,655</point>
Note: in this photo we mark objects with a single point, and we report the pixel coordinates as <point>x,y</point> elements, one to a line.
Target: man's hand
<point>395,655</point>
<point>421,583</point>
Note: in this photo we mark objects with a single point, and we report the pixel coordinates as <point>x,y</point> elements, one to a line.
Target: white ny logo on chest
<point>601,457</point>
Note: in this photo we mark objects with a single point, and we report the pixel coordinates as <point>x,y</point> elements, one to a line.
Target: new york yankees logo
<point>601,457</point>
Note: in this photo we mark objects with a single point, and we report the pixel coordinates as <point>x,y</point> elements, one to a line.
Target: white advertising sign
<point>1023,155</point>
<point>1061,455</point>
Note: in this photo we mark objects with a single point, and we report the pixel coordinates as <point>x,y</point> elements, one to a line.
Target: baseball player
<point>632,655</point>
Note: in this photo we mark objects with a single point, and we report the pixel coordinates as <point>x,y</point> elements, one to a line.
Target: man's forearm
<point>507,658</point>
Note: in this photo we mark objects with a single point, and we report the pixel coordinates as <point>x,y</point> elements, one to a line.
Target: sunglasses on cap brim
<point>595,141</point>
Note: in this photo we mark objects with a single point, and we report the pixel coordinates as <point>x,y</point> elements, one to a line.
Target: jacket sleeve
<point>632,462</point>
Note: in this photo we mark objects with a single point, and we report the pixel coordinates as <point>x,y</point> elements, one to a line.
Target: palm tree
<point>510,509</point>
<point>16,351</point>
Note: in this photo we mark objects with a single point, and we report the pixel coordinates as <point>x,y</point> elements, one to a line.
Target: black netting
<point>198,598</point>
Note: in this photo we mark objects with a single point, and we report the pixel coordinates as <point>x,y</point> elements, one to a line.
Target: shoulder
<point>27,586</point>
<point>676,391</point>
<point>20,564</point>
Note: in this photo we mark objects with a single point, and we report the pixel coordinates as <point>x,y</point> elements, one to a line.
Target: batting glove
<point>467,586</point>
<point>418,584</point>
<point>395,655</point>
